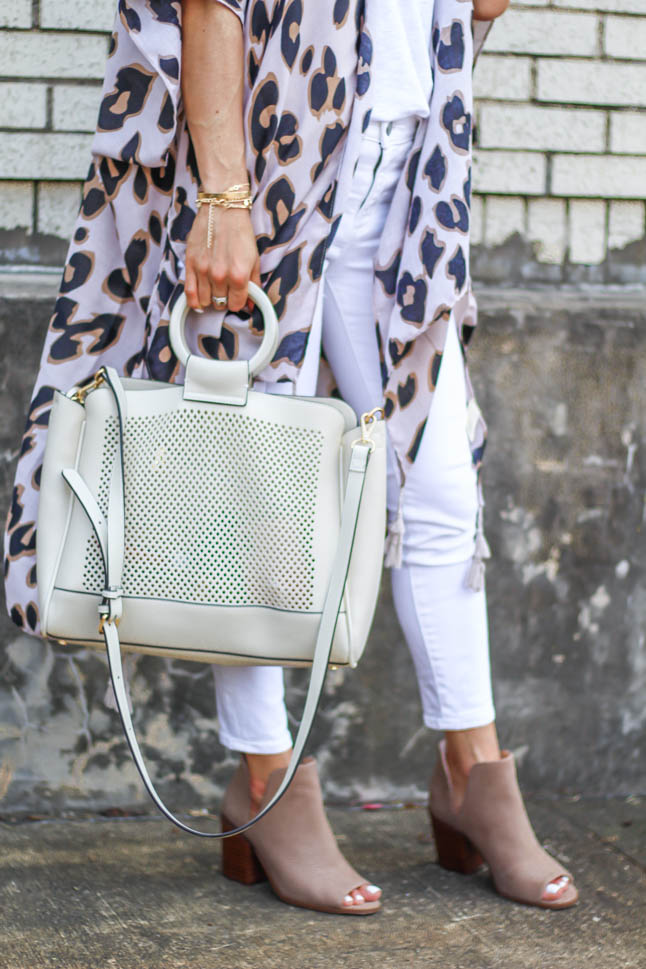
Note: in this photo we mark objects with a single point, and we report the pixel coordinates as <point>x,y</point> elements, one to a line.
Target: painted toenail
<point>348,900</point>
<point>373,888</point>
<point>358,897</point>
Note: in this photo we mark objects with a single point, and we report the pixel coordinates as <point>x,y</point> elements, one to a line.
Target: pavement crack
<point>604,840</point>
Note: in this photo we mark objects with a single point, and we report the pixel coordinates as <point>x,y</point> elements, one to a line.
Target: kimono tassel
<point>395,538</point>
<point>475,578</point>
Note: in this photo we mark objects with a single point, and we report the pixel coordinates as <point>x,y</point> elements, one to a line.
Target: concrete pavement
<point>135,893</point>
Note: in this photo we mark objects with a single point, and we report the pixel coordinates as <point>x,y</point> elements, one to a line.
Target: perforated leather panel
<point>210,522</point>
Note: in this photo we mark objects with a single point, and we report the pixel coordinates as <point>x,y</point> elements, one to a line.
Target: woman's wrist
<point>219,179</point>
<point>217,186</point>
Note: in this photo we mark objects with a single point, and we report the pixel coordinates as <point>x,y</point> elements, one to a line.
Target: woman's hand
<point>225,269</point>
<point>489,9</point>
<point>212,90</point>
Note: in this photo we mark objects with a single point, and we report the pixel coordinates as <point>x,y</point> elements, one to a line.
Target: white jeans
<point>443,620</point>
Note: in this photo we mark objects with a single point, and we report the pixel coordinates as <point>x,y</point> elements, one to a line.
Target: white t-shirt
<point>401,64</point>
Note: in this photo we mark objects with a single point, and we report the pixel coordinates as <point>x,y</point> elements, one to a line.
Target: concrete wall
<point>560,169</point>
<point>560,129</point>
<point>562,381</point>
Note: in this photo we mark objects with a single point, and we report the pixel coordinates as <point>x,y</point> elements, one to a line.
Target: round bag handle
<point>270,338</point>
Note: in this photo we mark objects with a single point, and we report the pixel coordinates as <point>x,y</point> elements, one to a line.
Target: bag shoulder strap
<point>111,607</point>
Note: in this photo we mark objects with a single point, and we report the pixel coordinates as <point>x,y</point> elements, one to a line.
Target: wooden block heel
<point>239,860</point>
<point>454,850</point>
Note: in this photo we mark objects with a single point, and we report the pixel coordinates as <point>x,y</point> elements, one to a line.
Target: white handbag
<point>211,522</point>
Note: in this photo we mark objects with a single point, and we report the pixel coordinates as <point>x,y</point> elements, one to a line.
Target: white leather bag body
<point>232,516</point>
<point>210,522</point>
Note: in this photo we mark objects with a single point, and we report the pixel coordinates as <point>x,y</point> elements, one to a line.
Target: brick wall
<point>53,55</point>
<point>561,130</point>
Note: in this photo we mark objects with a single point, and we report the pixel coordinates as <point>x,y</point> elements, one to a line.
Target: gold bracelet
<point>235,197</point>
<point>245,187</point>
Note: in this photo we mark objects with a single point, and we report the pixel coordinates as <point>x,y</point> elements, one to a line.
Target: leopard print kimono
<point>307,103</point>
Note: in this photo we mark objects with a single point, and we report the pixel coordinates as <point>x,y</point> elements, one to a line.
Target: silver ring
<point>219,301</point>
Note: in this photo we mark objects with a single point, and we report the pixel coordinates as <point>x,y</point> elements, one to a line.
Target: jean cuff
<point>478,717</point>
<point>265,745</point>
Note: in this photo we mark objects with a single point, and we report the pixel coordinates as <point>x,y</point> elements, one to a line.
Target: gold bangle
<point>235,197</point>
<point>245,187</point>
<point>241,203</point>
<point>236,193</point>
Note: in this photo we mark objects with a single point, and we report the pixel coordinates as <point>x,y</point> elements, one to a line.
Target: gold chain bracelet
<point>235,197</point>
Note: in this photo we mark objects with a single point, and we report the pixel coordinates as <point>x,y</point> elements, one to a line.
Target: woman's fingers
<point>255,272</point>
<point>242,250</point>
<point>238,284</point>
<point>219,286</point>
<point>203,285</point>
<point>255,278</point>
<point>190,288</point>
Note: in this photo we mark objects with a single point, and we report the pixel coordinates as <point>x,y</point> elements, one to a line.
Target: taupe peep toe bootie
<point>293,846</point>
<point>491,825</point>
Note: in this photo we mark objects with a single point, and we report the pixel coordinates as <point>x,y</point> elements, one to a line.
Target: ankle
<point>460,762</point>
<point>256,792</point>
<point>261,766</point>
<point>464,748</point>
<point>458,768</point>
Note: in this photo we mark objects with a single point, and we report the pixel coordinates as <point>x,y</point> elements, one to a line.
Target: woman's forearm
<point>212,90</point>
<point>489,9</point>
<point>221,251</point>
